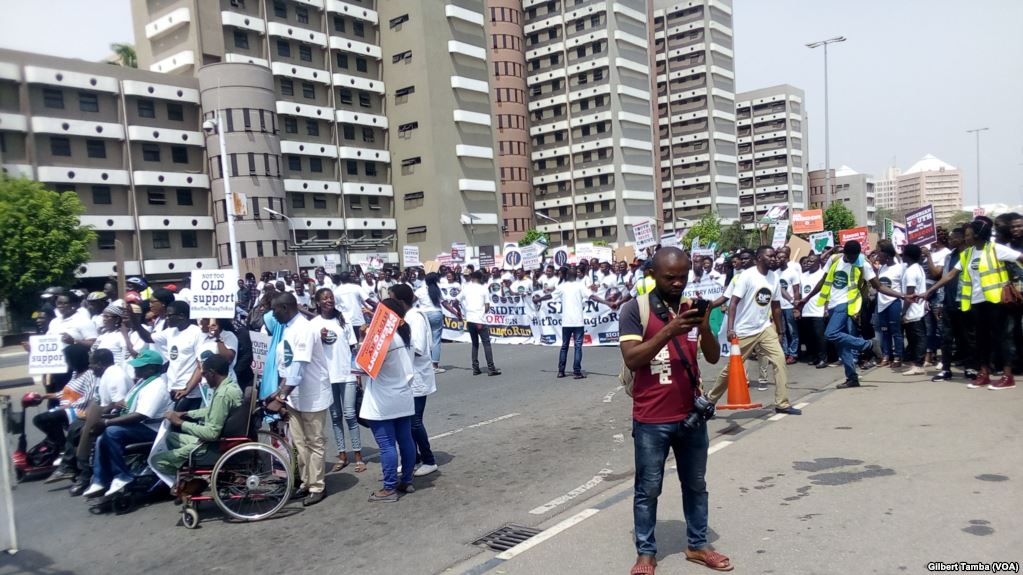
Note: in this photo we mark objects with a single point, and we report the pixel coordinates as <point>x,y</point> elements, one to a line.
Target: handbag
<point>1011,295</point>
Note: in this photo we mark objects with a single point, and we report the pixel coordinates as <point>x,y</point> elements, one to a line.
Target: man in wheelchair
<point>191,429</point>
<point>138,422</point>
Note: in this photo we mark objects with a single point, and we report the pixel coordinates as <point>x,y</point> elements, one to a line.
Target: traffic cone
<point>738,387</point>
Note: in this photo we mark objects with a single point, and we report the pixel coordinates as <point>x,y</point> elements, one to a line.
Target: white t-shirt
<point>209,346</point>
<point>522,287</point>
<point>389,396</point>
<point>843,277</point>
<point>549,283</point>
<point>755,292</point>
<point>350,300</point>
<point>423,301</point>
<point>337,347</point>
<point>114,341</point>
<point>890,276</point>
<point>809,281</point>
<point>573,296</point>
<point>1002,254</point>
<point>425,381</point>
<point>938,261</point>
<point>327,283</point>
<point>787,280</point>
<point>77,325</point>
<point>303,298</point>
<point>153,400</point>
<point>181,349</point>
<point>302,343</point>
<point>473,299</point>
<point>113,385</point>
<point>914,277</point>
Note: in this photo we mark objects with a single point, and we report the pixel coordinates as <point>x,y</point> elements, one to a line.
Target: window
<point>315,165</point>
<point>359,29</point>
<point>346,96</point>
<point>302,14</point>
<point>280,8</point>
<point>405,56</point>
<point>308,90</point>
<point>252,163</point>
<point>287,87</point>
<point>101,195</point>
<point>105,240</point>
<point>305,53</point>
<point>53,98</point>
<point>371,169</point>
<point>60,146</point>
<point>189,239</point>
<point>312,128</point>
<point>355,203</point>
<point>184,196</point>
<point>146,109</point>
<point>65,188</point>
<point>404,92</point>
<point>364,100</point>
<point>348,131</point>
<point>404,129</point>
<point>294,163</point>
<point>320,202</point>
<point>179,154</point>
<point>96,148</point>
<point>339,24</point>
<point>360,65</point>
<point>297,200</point>
<point>367,135</point>
<point>580,25</point>
<point>88,102</point>
<point>395,22</point>
<point>241,39</point>
<point>156,197</point>
<point>352,168</point>
<point>290,125</point>
<point>283,49</point>
<point>374,203</point>
<point>150,152</point>
<point>161,240</point>
<point>342,61</point>
<point>175,112</point>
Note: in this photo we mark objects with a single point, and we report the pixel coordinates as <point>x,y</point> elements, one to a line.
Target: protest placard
<point>457,252</point>
<point>46,355</point>
<point>431,266</point>
<point>625,254</point>
<point>512,258</point>
<point>487,256</point>
<point>776,212</point>
<point>920,228</point>
<point>213,293</point>
<point>410,256</point>
<point>260,348</point>
<point>531,257</point>
<point>821,241</point>
<point>798,248</point>
<point>781,231</point>
<point>644,234</point>
<point>378,339</point>
<point>560,256</point>
<point>603,254</point>
<point>701,253</point>
<point>669,239</point>
<point>807,221</point>
<point>330,263</point>
<point>855,234</point>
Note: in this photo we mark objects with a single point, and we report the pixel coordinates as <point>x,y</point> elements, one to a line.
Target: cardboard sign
<point>626,254</point>
<point>898,236</point>
<point>603,254</point>
<point>855,234</point>
<point>487,257</point>
<point>458,252</point>
<point>213,293</point>
<point>46,355</point>
<point>512,258</point>
<point>378,338</point>
<point>410,256</point>
<point>260,347</point>
<point>798,247</point>
<point>821,241</point>
<point>432,266</point>
<point>781,231</point>
<point>644,234</point>
<point>330,263</point>
<point>807,221</point>
<point>532,257</point>
<point>920,228</point>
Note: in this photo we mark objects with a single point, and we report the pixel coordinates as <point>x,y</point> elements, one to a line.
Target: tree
<point>708,229</point>
<point>42,242</point>
<point>838,217</point>
<point>533,235</point>
<point>880,216</point>
<point>735,237</point>
<point>957,219</point>
<point>125,55</point>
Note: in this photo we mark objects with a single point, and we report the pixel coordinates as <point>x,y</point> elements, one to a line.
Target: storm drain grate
<point>504,538</point>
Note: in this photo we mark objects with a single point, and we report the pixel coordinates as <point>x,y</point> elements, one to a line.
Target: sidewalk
<point>882,479</point>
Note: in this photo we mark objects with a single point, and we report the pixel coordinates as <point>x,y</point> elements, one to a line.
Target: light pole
<point>294,235</point>
<point>210,126</point>
<point>976,132</point>
<point>556,222</point>
<point>827,134</point>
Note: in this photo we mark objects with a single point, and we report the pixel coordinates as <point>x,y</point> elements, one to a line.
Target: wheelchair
<point>249,472</point>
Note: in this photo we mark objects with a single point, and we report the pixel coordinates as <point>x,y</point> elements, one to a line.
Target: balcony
<point>360,48</point>
<point>243,21</point>
<point>310,223</point>
<point>17,170</point>
<point>174,62</point>
<point>346,81</point>
<point>164,135</point>
<point>13,122</point>
<point>459,13</point>
<point>75,175</point>
<point>466,151</point>
<point>467,185</point>
<point>370,223</point>
<point>175,223</point>
<point>10,72</point>
<point>300,72</point>
<point>472,117</point>
<point>308,149</point>
<point>246,59</point>
<point>304,110</point>
<point>171,21</point>
<point>282,30</point>
<point>456,47</point>
<point>311,186</point>
<point>462,83</point>
<point>366,154</point>
<point>108,223</point>
<point>361,119</point>
<point>171,179</point>
<point>69,79</point>
<point>177,265</point>
<point>365,189</point>
<point>353,10</point>
<point>549,22</point>
<point>161,91</point>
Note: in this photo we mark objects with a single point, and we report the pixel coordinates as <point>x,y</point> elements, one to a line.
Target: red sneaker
<point>983,380</point>
<point>1006,382</point>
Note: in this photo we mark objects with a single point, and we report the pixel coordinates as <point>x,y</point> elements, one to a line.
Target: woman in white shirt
<point>388,406</point>
<point>889,309</point>
<point>116,337</point>
<point>339,341</point>
<point>914,281</point>
<point>424,382</point>
<point>428,301</point>
<point>219,339</point>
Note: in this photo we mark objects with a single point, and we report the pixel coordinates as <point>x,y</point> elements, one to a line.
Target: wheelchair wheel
<point>281,444</point>
<point>251,481</point>
<point>190,518</point>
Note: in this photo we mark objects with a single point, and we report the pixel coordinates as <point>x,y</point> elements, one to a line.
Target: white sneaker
<point>914,371</point>
<point>439,370</point>
<point>93,489</point>
<point>425,470</point>
<point>116,486</point>
<point>761,385</point>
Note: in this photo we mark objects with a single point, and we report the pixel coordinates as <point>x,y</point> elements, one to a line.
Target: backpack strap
<point>644,311</point>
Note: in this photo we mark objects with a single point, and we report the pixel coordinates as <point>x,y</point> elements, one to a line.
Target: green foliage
<point>838,217</point>
<point>533,235</point>
<point>42,242</point>
<point>708,229</point>
<point>601,243</point>
<point>957,219</point>
<point>734,237</point>
<point>125,55</point>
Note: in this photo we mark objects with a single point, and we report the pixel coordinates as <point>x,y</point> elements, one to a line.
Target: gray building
<point>771,131</point>
<point>855,190</point>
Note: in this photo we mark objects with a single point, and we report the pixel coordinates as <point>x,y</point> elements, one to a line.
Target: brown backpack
<point>627,377</point>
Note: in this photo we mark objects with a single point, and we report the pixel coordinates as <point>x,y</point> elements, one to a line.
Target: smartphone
<point>701,306</point>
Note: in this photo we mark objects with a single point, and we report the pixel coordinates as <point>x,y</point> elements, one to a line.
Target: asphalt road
<point>518,448</point>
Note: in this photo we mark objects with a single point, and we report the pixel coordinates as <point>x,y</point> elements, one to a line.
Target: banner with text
<point>821,241</point>
<point>46,355</point>
<point>781,231</point>
<point>644,234</point>
<point>378,339</point>
<point>410,256</point>
<point>920,228</point>
<point>855,234</point>
<point>213,293</point>
<point>807,221</point>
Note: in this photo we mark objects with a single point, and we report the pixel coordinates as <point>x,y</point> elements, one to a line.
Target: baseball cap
<point>146,357</point>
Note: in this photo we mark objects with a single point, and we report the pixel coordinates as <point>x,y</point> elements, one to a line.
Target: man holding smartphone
<point>660,350</point>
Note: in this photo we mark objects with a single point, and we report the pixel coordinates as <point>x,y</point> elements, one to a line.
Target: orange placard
<point>378,338</point>
<point>808,222</point>
<point>860,234</point>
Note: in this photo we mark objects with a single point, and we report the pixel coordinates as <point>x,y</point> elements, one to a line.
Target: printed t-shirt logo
<point>841,279</point>
<point>763,296</point>
<point>205,355</point>
<point>495,288</point>
<point>174,352</point>
<point>329,338</point>
<point>784,285</point>
<point>886,282</point>
<point>975,264</point>
<point>289,355</point>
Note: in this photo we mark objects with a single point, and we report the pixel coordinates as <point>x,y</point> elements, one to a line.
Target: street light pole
<point>228,198</point>
<point>556,222</point>
<point>294,235</point>
<point>976,132</point>
<point>827,130</point>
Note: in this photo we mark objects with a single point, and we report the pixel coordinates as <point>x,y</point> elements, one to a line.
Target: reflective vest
<point>855,298</point>
<point>993,276</point>
<point>645,285</point>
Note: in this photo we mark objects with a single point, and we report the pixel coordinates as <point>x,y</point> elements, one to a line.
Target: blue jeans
<point>842,332</point>
<point>343,408</point>
<point>392,435</point>
<point>109,457</point>
<point>436,319</point>
<point>652,441</point>
<point>568,333</point>
<point>890,323</point>
<point>423,455</point>
<point>790,346</point>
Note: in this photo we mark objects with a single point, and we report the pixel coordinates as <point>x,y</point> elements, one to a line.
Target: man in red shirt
<point>661,351</point>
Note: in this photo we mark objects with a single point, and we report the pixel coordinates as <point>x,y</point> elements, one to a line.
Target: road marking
<point>474,426</point>
<point>802,405</point>
<point>776,416</point>
<point>718,446</point>
<point>548,533</point>
<point>597,480</point>
<point>611,394</point>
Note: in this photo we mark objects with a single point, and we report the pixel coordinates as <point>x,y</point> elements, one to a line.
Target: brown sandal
<point>360,466</point>
<point>710,559</point>
<point>643,568</point>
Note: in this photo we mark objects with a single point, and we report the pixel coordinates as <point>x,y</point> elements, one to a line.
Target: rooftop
<point>929,163</point>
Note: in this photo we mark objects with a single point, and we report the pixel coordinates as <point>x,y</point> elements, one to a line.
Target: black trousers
<point>477,332</point>
<point>994,349</point>
<point>52,423</point>
<point>916,341</point>
<point>956,332</point>
<point>816,346</point>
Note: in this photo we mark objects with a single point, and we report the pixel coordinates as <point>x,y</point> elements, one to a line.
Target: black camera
<point>703,410</point>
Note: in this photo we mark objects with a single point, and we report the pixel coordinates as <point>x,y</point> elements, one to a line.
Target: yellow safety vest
<point>855,298</point>
<point>645,285</point>
<point>993,276</point>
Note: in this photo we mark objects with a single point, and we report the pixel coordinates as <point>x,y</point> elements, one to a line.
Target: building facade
<point>695,111</point>
<point>931,181</point>
<point>887,188</point>
<point>771,131</point>
<point>857,191</point>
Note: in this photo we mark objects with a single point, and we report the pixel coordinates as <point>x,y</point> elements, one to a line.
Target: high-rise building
<point>771,130</point>
<point>695,110</point>
<point>931,181</point>
<point>886,188</point>
<point>588,75</point>
<point>851,188</point>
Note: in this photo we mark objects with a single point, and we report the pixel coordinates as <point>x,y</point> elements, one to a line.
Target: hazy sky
<point>912,78</point>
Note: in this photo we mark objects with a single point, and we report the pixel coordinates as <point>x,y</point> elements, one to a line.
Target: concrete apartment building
<point>771,131</point>
<point>589,80</point>
<point>931,181</point>
<point>855,190</point>
<point>695,111</point>
<point>886,188</point>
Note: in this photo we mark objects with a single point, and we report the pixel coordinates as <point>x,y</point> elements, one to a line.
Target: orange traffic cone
<point>738,387</point>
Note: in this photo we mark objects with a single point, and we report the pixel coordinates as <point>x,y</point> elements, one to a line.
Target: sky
<point>913,76</point>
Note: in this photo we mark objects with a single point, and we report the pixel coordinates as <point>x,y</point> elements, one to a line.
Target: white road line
<point>776,416</point>
<point>802,405</point>
<point>718,446</point>
<point>597,479</point>
<point>611,394</point>
<point>548,533</point>
<point>474,426</point>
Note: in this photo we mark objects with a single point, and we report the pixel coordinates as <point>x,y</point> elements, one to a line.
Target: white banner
<point>781,230</point>
<point>213,293</point>
<point>512,258</point>
<point>644,234</point>
<point>410,256</point>
<point>46,355</point>
<point>560,257</point>
<point>584,250</point>
<point>532,257</point>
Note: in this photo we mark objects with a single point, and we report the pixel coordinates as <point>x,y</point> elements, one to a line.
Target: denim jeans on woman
<point>436,319</point>
<point>424,454</point>
<point>890,323</point>
<point>343,408</point>
<point>392,435</point>
<point>652,442</point>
